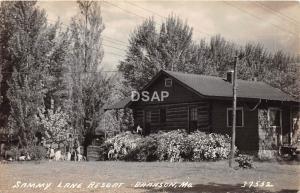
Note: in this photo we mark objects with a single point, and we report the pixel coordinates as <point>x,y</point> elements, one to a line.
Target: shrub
<point>145,150</point>
<point>168,146</point>
<point>37,152</point>
<point>122,144</point>
<point>244,161</point>
<point>210,146</point>
<point>104,149</point>
<point>173,146</point>
<point>13,153</point>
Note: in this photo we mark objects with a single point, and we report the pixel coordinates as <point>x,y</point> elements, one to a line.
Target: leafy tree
<point>115,121</point>
<point>26,53</point>
<point>56,83</point>
<point>89,87</point>
<point>142,60</point>
<point>150,50</point>
<point>7,29</point>
<point>0,84</point>
<point>174,46</point>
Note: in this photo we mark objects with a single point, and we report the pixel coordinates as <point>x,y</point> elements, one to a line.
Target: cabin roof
<point>212,86</point>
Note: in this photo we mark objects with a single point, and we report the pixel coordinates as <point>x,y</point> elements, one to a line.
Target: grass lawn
<point>205,177</point>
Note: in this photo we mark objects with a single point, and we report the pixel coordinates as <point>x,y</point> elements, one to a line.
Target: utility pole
<point>233,111</point>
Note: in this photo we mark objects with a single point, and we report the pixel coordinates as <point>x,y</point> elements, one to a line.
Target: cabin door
<point>147,126</point>
<point>275,123</point>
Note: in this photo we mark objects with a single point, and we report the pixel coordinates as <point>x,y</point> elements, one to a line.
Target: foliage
<point>171,47</point>
<point>54,124</point>
<point>145,150</point>
<point>115,121</point>
<point>169,146</point>
<point>210,146</point>
<point>0,84</point>
<point>104,149</point>
<point>174,145</point>
<point>124,142</point>
<point>151,50</point>
<point>89,87</point>
<point>37,152</point>
<point>244,161</point>
<point>26,57</point>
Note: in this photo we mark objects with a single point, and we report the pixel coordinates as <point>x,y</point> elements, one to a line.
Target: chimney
<point>229,76</point>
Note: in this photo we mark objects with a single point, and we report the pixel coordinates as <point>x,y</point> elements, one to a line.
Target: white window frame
<point>170,82</point>
<point>238,108</point>
<point>277,109</point>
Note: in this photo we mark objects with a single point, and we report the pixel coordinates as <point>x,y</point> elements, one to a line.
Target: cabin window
<point>162,113</point>
<point>168,82</point>
<point>148,116</point>
<point>239,117</point>
<point>194,114</point>
<point>274,117</point>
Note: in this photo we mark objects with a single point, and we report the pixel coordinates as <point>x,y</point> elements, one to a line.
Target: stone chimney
<point>229,76</point>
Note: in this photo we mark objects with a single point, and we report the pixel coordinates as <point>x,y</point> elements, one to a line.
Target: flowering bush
<point>173,146</point>
<point>169,146</point>
<point>210,146</point>
<point>145,150</point>
<point>54,124</point>
<point>123,143</point>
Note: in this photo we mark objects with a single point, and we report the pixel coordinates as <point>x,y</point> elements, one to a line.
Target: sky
<point>274,24</point>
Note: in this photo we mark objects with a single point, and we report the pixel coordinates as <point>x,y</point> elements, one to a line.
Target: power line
<point>259,18</point>
<point>155,13</point>
<point>129,12</point>
<point>278,13</point>
<point>104,36</point>
<point>109,41</point>
<point>113,47</point>
<point>114,40</point>
<point>145,9</point>
<point>113,54</point>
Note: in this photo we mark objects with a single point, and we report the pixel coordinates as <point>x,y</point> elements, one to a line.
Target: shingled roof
<point>212,86</point>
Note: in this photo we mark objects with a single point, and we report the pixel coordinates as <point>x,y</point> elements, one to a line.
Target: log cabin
<point>197,102</point>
